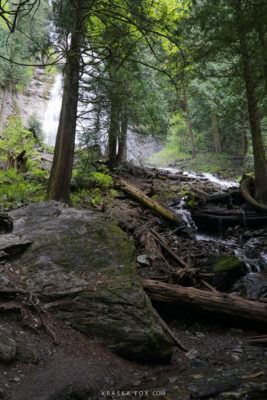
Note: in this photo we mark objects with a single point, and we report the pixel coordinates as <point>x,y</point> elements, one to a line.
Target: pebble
<point>143,259</point>
<point>193,353</point>
<point>200,334</point>
<point>237,350</point>
<point>232,396</point>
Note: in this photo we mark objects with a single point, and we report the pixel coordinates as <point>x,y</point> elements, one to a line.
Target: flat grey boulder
<point>82,266</point>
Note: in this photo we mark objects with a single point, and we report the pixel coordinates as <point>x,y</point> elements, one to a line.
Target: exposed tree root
<point>247,196</point>
<point>25,302</point>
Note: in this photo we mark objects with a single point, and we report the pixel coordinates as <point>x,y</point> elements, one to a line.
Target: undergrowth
<point>91,188</point>
<point>20,189</point>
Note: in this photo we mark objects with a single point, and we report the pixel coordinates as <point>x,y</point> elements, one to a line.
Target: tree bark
<point>216,133</point>
<point>263,42</point>
<point>244,138</point>
<point>113,132</point>
<point>122,140</point>
<point>260,163</point>
<point>221,303</point>
<point>189,124</point>
<point>60,176</point>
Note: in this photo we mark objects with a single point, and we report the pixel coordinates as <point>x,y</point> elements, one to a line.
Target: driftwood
<point>209,301</point>
<point>148,202</point>
<point>247,196</point>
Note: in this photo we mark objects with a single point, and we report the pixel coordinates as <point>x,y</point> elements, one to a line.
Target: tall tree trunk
<point>260,163</point>
<point>113,132</point>
<point>263,42</point>
<point>122,149</point>
<point>60,176</point>
<point>189,124</point>
<point>216,133</point>
<point>244,138</point>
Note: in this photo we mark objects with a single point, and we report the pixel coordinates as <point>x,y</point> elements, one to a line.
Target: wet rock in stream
<point>252,286</point>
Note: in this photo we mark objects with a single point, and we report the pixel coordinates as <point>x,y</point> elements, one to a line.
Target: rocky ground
<point>220,361</point>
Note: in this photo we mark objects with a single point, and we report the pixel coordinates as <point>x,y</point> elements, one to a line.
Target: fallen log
<point>206,300</point>
<point>258,340</point>
<point>148,202</point>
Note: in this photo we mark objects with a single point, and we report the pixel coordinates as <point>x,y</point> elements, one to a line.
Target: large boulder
<point>82,266</point>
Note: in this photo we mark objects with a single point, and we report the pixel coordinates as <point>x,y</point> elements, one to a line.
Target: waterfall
<point>52,112</point>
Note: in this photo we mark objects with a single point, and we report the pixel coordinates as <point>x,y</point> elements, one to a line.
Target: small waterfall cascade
<point>180,209</point>
<point>203,176</point>
<point>52,112</point>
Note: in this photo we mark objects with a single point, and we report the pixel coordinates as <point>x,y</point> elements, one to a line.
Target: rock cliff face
<point>82,266</point>
<point>31,101</point>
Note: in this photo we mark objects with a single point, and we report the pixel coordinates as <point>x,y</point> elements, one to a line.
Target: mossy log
<point>219,303</point>
<point>148,202</point>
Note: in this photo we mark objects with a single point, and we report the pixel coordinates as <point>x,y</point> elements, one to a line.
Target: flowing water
<point>254,259</point>
<point>51,116</point>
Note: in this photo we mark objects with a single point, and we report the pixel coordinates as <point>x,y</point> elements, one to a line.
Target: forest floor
<point>220,360</point>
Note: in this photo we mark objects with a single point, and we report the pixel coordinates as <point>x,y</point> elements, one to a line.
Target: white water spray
<point>52,112</point>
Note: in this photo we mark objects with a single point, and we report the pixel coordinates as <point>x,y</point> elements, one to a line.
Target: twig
<point>211,288</point>
<point>176,341</point>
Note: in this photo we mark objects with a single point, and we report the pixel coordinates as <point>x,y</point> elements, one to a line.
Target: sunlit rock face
<point>31,101</point>
<point>82,266</point>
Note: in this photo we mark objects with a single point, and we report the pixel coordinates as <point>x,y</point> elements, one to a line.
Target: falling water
<point>52,112</point>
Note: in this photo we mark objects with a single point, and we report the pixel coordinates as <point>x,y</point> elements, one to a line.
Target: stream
<point>242,241</point>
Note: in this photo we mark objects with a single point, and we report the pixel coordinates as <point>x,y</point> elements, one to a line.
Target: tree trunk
<point>263,42</point>
<point>244,138</point>
<point>216,133</point>
<point>122,148</point>
<point>219,303</point>
<point>113,133</point>
<point>189,125</point>
<point>60,176</point>
<point>260,163</point>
